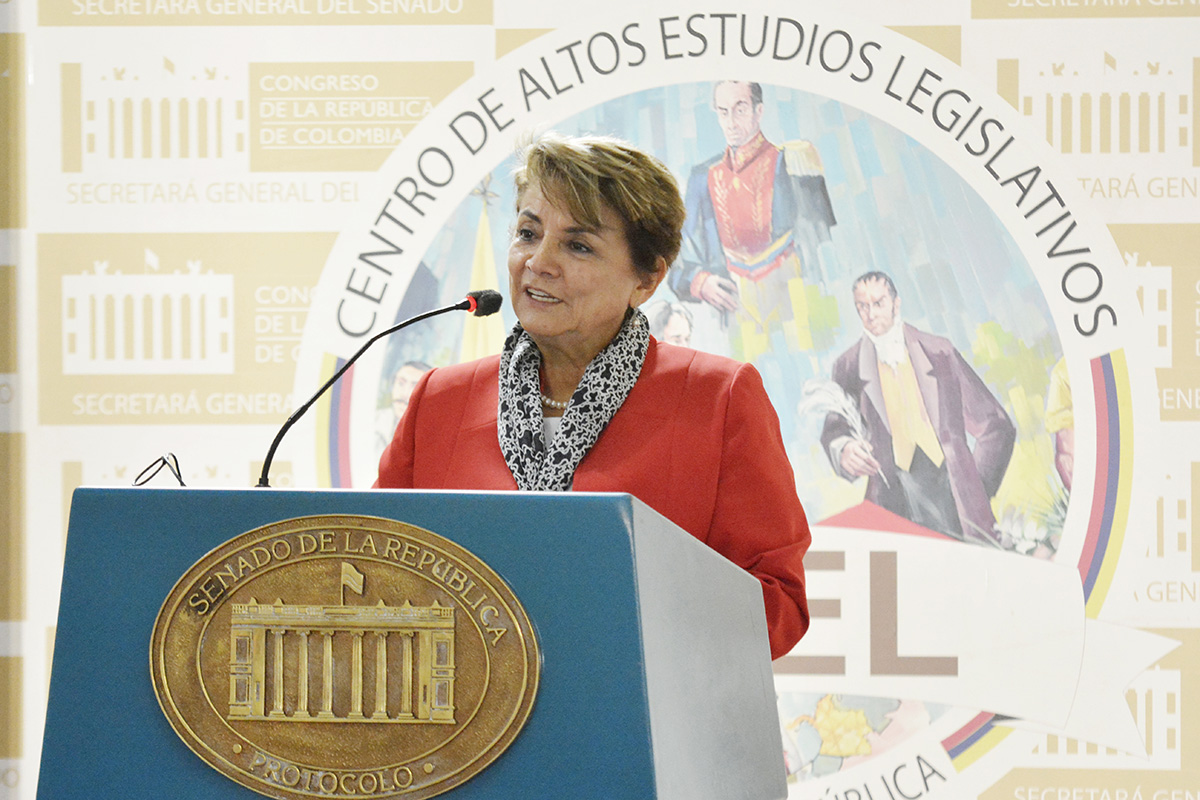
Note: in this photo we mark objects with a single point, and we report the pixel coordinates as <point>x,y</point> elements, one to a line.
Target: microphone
<point>481,303</point>
<point>486,301</point>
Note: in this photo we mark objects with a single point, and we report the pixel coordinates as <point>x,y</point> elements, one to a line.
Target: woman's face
<point>570,284</point>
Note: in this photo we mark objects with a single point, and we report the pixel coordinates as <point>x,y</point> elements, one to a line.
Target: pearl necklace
<point>558,404</point>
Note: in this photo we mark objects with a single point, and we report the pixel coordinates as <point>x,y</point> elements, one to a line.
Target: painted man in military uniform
<point>757,213</point>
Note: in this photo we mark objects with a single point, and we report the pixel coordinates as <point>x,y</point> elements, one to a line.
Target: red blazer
<point>697,440</point>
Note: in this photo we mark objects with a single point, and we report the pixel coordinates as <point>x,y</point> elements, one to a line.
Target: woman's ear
<point>650,282</point>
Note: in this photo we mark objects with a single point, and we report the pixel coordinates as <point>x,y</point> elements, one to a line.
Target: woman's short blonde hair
<point>585,173</point>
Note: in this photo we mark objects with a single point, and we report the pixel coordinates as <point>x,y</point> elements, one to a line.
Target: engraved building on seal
<point>310,663</point>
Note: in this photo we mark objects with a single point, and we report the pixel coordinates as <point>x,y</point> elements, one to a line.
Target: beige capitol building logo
<point>389,661</point>
<point>147,323</point>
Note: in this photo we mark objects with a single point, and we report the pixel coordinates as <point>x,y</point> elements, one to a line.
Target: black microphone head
<point>487,301</point>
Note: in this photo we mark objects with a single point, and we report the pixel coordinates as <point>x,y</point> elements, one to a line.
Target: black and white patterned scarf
<point>606,383</point>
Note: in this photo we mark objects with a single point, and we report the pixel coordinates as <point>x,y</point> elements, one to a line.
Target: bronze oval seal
<point>344,656</point>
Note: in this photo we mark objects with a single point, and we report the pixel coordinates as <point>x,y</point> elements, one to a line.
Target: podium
<point>652,678</point>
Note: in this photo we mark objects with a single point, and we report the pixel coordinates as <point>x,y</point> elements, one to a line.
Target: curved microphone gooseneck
<point>480,303</point>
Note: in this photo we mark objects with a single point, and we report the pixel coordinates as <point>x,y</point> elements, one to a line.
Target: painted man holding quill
<point>921,406</point>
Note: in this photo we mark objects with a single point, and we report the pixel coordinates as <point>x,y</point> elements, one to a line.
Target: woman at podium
<point>584,398</point>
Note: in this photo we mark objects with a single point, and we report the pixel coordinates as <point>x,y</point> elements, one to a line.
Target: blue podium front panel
<point>567,558</point>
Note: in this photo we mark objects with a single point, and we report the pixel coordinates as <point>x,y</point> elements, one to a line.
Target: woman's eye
<point>580,247</point>
<point>524,234</point>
